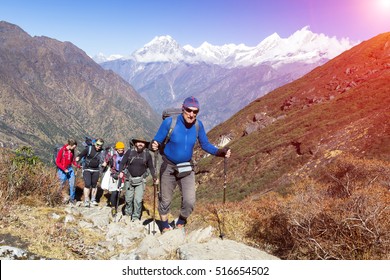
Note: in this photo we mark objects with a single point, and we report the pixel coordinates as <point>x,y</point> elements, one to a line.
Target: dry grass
<point>39,231</point>
<point>29,196</point>
<point>45,234</point>
<point>342,215</point>
<point>23,178</point>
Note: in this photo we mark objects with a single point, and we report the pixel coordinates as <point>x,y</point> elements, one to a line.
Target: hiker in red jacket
<point>64,160</point>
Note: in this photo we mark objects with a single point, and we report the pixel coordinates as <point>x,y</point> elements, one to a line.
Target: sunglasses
<point>188,110</point>
<point>98,145</point>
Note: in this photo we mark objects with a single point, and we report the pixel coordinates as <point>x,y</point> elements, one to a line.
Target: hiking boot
<point>72,201</point>
<point>86,203</point>
<point>182,228</point>
<point>133,219</point>
<point>113,211</point>
<point>94,203</point>
<point>164,230</point>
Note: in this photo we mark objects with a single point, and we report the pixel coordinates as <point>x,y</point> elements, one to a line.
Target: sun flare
<point>384,4</point>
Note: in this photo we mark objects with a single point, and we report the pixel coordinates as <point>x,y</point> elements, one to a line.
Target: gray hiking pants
<point>134,196</point>
<point>168,183</point>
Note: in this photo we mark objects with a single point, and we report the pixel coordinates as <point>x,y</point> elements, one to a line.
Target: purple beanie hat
<point>191,102</point>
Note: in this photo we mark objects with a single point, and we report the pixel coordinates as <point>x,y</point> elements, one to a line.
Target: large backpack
<point>174,113</point>
<point>133,155</point>
<point>85,161</point>
<point>88,142</point>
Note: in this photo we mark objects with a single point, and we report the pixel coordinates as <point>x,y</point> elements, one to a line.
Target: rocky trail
<point>122,239</point>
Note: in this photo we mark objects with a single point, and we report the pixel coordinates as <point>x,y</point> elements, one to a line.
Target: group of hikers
<point>175,140</point>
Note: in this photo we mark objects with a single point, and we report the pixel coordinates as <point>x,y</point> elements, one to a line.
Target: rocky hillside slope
<point>51,90</point>
<point>338,108</point>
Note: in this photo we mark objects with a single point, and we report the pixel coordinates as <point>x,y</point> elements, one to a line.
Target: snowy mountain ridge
<point>303,45</point>
<point>228,76</point>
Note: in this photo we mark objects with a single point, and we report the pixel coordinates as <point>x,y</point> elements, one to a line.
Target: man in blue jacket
<point>177,168</point>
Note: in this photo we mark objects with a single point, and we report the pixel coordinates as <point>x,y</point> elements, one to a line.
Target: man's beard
<point>139,149</point>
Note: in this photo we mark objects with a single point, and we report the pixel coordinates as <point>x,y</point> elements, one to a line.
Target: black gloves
<point>222,152</point>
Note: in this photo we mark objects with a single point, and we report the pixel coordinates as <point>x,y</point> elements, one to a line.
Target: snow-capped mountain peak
<point>270,41</point>
<point>303,45</point>
<point>100,57</point>
<point>160,49</point>
<point>162,41</point>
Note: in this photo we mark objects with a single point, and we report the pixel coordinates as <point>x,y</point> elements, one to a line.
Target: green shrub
<point>24,176</point>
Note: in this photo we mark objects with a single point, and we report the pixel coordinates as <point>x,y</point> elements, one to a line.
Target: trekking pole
<point>118,196</point>
<point>155,186</point>
<point>224,178</point>
<point>222,221</point>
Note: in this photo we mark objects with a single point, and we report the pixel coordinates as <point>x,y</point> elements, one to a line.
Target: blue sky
<point>122,26</point>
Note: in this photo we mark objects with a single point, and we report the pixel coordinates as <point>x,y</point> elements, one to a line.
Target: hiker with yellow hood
<point>113,161</point>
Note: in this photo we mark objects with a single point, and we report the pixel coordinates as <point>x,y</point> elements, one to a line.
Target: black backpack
<point>88,142</point>
<point>101,155</point>
<point>171,112</point>
<point>174,113</point>
<point>133,154</point>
